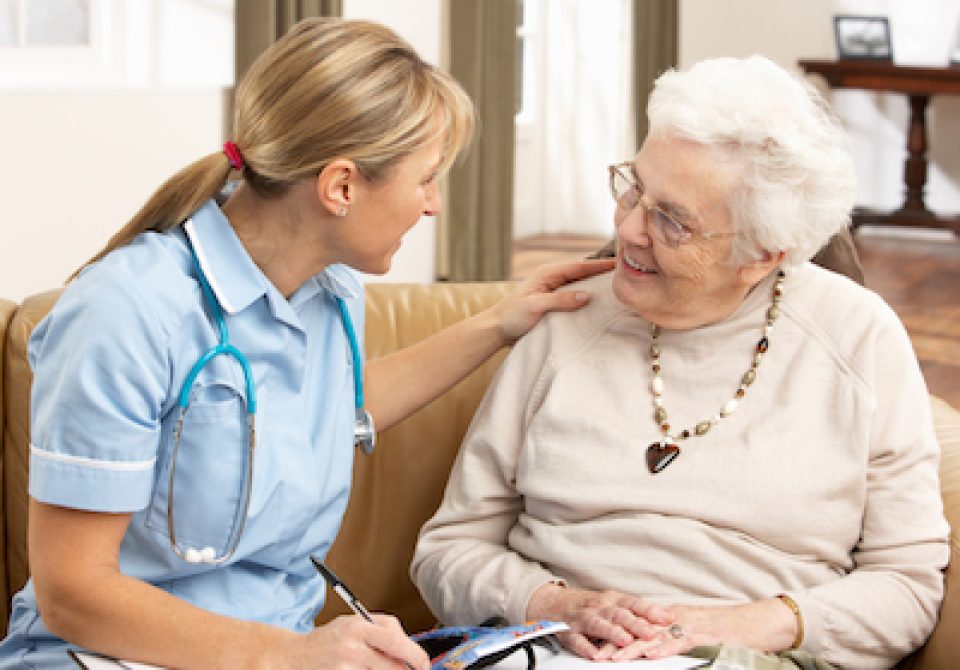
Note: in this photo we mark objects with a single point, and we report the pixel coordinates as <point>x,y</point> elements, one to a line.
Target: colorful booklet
<point>463,647</point>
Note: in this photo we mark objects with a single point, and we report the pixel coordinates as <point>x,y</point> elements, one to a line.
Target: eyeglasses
<point>667,230</point>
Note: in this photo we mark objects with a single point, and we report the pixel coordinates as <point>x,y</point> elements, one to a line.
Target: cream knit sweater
<point>823,484</point>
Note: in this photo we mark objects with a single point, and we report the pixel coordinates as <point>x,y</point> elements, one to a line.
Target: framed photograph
<point>863,37</point>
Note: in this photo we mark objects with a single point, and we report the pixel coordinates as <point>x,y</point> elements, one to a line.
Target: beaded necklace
<point>663,452</point>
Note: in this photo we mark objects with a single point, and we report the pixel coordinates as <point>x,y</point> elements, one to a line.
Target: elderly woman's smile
<point>637,265</point>
<point>675,239</point>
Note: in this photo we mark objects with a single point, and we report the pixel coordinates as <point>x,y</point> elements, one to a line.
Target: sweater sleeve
<point>886,606</point>
<point>463,564</point>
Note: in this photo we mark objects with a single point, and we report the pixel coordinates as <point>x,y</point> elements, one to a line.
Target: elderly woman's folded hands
<point>603,624</point>
<point>615,626</point>
<point>764,625</point>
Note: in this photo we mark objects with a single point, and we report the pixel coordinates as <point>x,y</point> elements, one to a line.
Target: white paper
<point>95,662</point>
<point>566,661</point>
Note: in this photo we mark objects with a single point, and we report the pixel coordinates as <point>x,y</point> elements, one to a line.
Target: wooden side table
<point>919,84</point>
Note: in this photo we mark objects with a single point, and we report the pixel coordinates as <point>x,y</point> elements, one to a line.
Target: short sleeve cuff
<point>89,484</point>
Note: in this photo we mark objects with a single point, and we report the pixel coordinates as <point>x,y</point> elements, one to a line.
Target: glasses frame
<point>684,233</point>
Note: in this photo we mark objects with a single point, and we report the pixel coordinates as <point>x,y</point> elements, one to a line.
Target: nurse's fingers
<point>388,637</point>
<point>553,276</point>
<point>351,642</point>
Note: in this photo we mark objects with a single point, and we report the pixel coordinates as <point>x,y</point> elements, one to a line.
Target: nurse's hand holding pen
<point>351,642</point>
<point>365,640</point>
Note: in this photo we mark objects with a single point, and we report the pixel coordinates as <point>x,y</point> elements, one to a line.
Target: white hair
<point>797,181</point>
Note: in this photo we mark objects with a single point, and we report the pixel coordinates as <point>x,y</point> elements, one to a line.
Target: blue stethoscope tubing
<point>364,433</point>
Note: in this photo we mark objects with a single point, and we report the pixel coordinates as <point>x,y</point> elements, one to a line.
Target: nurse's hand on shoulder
<point>350,642</point>
<point>538,294</point>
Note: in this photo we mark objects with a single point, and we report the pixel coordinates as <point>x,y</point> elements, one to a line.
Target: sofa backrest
<point>394,490</point>
<point>398,487</point>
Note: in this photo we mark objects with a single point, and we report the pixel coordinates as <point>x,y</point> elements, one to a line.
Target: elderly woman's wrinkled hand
<point>763,625</point>
<point>601,623</point>
<point>538,294</point>
<point>677,638</point>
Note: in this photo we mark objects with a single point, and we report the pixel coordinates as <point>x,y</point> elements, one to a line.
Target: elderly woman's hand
<point>601,623</point>
<point>764,625</point>
<point>538,294</point>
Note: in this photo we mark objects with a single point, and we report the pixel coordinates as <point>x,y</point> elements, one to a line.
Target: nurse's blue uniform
<point>109,361</point>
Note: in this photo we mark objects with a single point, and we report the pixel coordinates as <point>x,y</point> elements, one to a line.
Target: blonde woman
<point>199,387</point>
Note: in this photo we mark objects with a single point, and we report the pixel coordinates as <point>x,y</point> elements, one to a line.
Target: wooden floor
<point>920,278</point>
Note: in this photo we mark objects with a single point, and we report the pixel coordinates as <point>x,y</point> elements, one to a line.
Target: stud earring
<point>342,212</point>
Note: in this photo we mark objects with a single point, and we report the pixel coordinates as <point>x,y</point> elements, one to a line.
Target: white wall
<point>88,135</point>
<point>788,31</point>
<point>78,164</point>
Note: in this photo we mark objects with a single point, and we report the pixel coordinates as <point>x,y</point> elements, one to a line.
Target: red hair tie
<point>233,155</point>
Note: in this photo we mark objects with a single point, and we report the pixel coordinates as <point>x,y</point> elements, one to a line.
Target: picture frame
<point>863,37</point>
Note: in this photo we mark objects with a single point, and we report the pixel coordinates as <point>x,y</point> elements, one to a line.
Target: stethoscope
<point>364,434</point>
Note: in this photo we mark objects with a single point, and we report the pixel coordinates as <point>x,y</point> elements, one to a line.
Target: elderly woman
<point>729,446</point>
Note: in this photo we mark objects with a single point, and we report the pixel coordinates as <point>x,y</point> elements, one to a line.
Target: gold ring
<point>675,631</point>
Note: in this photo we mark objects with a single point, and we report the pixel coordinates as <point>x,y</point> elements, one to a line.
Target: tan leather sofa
<point>397,488</point>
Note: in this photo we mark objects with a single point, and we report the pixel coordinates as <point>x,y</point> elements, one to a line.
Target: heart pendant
<point>660,455</point>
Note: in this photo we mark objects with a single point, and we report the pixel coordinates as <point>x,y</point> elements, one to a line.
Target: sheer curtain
<point>596,66</point>
<point>585,111</point>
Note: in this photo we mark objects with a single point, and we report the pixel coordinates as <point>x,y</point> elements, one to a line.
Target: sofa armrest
<point>16,439</point>
<point>942,650</point>
<point>7,309</point>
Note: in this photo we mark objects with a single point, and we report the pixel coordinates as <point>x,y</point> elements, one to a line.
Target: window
<point>115,44</point>
<point>45,23</point>
<point>527,57</point>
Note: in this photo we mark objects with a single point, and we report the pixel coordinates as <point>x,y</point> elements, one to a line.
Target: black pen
<point>341,589</point>
<point>345,593</point>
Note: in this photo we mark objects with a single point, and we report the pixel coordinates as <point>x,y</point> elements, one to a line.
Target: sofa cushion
<point>399,486</point>
<point>940,652</point>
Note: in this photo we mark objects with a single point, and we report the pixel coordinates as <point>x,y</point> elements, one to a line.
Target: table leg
<point>915,165</point>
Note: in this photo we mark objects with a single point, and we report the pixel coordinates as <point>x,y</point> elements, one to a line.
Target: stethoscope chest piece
<point>364,432</point>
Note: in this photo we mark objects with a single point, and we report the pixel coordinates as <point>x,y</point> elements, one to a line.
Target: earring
<point>342,211</point>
